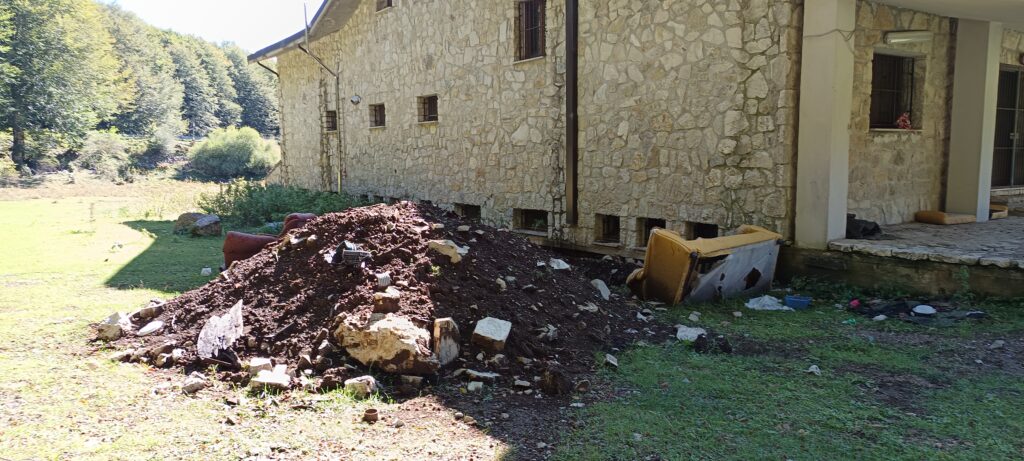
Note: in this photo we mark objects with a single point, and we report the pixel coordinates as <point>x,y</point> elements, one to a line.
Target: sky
<point>251,24</point>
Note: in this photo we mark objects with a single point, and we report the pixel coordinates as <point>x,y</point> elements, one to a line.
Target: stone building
<point>586,124</point>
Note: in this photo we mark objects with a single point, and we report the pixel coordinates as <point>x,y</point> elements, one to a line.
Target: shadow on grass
<point>172,263</point>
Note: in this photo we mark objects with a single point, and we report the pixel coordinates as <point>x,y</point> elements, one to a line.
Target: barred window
<point>892,91</point>
<point>378,117</point>
<point>331,120</point>
<point>427,108</point>
<point>530,28</point>
<point>382,4</point>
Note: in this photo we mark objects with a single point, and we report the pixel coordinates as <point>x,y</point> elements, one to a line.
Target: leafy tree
<point>62,72</point>
<point>155,97</point>
<point>199,104</point>
<point>256,92</point>
<point>216,66</point>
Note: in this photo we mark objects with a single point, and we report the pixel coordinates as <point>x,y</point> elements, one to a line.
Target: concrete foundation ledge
<point>921,276</point>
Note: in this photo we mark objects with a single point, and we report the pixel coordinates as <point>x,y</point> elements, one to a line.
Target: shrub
<point>245,203</point>
<point>109,155</point>
<point>232,153</point>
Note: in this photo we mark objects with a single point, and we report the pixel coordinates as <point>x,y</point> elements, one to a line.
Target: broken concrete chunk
<point>361,387</point>
<point>602,288</point>
<point>272,380</point>
<point>220,333</point>
<point>522,384</point>
<point>152,310</point>
<point>502,285</point>
<point>194,383</point>
<point>122,356</point>
<point>206,271</point>
<point>491,333</point>
<point>611,360</point>
<point>485,376</point>
<point>475,386</point>
<point>462,228</point>
<point>206,226</point>
<point>150,328</point>
<point>449,249</point>
<point>694,316</point>
<point>924,310</point>
<point>387,301</point>
<point>589,307</point>
<point>446,340</point>
<point>258,364</point>
<point>113,327</point>
<point>690,334</point>
<point>383,279</point>
<point>390,342</point>
<point>558,264</point>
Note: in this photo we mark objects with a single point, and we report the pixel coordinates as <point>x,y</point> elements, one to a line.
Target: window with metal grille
<point>331,120</point>
<point>892,91</point>
<point>607,229</point>
<point>381,4</point>
<point>377,115</point>
<point>530,28</point>
<point>427,108</point>
<point>644,227</point>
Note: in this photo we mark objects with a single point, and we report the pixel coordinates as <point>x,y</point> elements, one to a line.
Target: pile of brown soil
<point>293,293</point>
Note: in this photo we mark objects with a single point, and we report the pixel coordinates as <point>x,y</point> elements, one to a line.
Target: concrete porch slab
<point>998,243</point>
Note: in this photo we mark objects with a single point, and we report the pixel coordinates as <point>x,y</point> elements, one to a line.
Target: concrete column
<point>826,99</point>
<point>973,121</point>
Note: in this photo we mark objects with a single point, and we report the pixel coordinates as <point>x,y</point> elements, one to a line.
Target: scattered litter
<point>371,415</point>
<point>798,302</point>
<point>813,369</point>
<point>558,264</point>
<point>767,303</point>
<point>611,360</point>
<point>689,334</point>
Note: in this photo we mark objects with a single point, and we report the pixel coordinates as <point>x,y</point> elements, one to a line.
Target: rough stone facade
<point>686,112</point>
<point>895,173</point>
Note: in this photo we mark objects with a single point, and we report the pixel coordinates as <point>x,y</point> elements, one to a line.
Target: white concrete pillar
<point>826,99</point>
<point>973,120</point>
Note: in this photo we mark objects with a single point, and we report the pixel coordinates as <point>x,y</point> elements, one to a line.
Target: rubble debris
<point>767,303</point>
<point>446,340</point>
<point>558,264</point>
<point>150,328</point>
<point>194,383</point>
<point>924,309</point>
<point>601,288</point>
<point>206,271</point>
<point>997,344</point>
<point>814,370</point>
<point>611,360</point>
<point>449,249</point>
<point>690,334</point>
<point>589,307</point>
<point>502,285</point>
<point>485,376</point>
<point>475,386</point>
<point>694,317</point>
<point>154,308</point>
<point>388,301</point>
<point>383,280</point>
<point>880,318</point>
<point>462,228</point>
<point>258,364</point>
<point>271,379</point>
<point>390,342</point>
<point>220,333</point>
<point>113,327</point>
<point>491,333</point>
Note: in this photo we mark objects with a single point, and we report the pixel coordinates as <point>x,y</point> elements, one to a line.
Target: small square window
<point>644,227</point>
<point>427,108</point>
<point>530,220</point>
<point>378,117</point>
<point>384,4</point>
<point>895,91</point>
<point>697,230</point>
<point>470,212</point>
<point>530,28</point>
<point>331,120</point>
<point>607,229</point>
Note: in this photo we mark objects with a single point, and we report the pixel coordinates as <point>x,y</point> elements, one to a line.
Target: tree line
<point>68,67</point>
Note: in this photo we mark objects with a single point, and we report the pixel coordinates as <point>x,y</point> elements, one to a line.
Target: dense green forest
<point>77,77</point>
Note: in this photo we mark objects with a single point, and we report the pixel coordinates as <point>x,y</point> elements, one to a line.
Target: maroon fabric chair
<point>239,246</point>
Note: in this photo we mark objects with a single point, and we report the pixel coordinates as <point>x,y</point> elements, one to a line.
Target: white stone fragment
<point>258,364</point>
<point>602,287</point>
<point>361,387</point>
<point>449,249</point>
<point>151,327</point>
<point>690,334</point>
<point>446,340</point>
<point>491,333</point>
<point>558,264</point>
<point>475,386</point>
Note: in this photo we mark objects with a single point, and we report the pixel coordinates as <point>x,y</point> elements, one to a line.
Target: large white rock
<point>390,342</point>
<point>446,340</point>
<point>151,327</point>
<point>220,333</point>
<point>449,249</point>
<point>491,333</point>
<point>271,379</point>
<point>362,386</point>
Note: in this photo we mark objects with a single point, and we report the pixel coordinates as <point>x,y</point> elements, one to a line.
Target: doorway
<point>1008,159</point>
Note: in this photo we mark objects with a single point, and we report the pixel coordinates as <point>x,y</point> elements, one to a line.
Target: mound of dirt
<point>301,306</point>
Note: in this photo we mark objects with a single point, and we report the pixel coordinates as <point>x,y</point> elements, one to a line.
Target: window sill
<point>527,60</point>
<point>378,127</point>
<point>895,130</point>
<point>427,123</point>
<point>386,8</point>
<point>609,244</point>
<point>530,232</point>
<point>1007,190</point>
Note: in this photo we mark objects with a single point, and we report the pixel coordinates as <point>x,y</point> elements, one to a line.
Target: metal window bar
<point>428,108</point>
<point>378,116</point>
<point>530,24</point>
<point>892,89</point>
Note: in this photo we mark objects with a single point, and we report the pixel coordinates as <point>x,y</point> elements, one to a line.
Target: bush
<point>232,153</point>
<point>109,155</point>
<point>245,203</point>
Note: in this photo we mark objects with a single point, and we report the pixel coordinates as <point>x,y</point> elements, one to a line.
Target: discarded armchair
<point>239,246</point>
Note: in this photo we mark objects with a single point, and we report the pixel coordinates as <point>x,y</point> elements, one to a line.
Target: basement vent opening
<point>427,108</point>
<point>331,120</point>
<point>697,230</point>
<point>607,229</point>
<point>645,226</point>
<point>530,220</point>
<point>378,117</point>
<point>470,212</point>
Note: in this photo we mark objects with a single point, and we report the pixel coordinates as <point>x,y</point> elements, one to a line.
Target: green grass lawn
<point>888,390</point>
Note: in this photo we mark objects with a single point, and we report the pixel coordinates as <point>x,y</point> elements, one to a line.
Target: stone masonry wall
<point>895,173</point>
<point>687,111</point>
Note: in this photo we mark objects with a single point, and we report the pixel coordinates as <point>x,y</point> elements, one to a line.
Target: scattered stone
<point>220,332</point>
<point>737,314</point>
<point>997,344</point>
<point>390,342</point>
<point>361,387</point>
<point>397,423</point>
<point>694,316</point>
<point>449,249</point>
<point>689,334</point>
<point>475,386</point>
<point>446,340</point>
<point>122,356</point>
<point>163,360</point>
<point>541,445</point>
<point>558,264</point>
<point>437,226</point>
<point>547,333</point>
<point>150,328</point>
<point>462,228</point>
<point>206,226</point>
<point>577,405</point>
<point>194,383</point>
<point>272,380</point>
<point>880,318</point>
<point>485,376</point>
<point>206,272</point>
<point>813,369</point>
<point>602,287</point>
<point>583,386</point>
<point>458,415</point>
<point>383,279</point>
<point>589,307</point>
<point>258,364</point>
<point>502,285</point>
<point>113,327</point>
<point>924,310</point>
<point>469,420</point>
<point>504,416</point>
<point>611,360</point>
<point>409,380</point>
<point>491,333</point>
<point>388,301</point>
<point>151,310</point>
<point>637,437</point>
<point>522,384</point>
